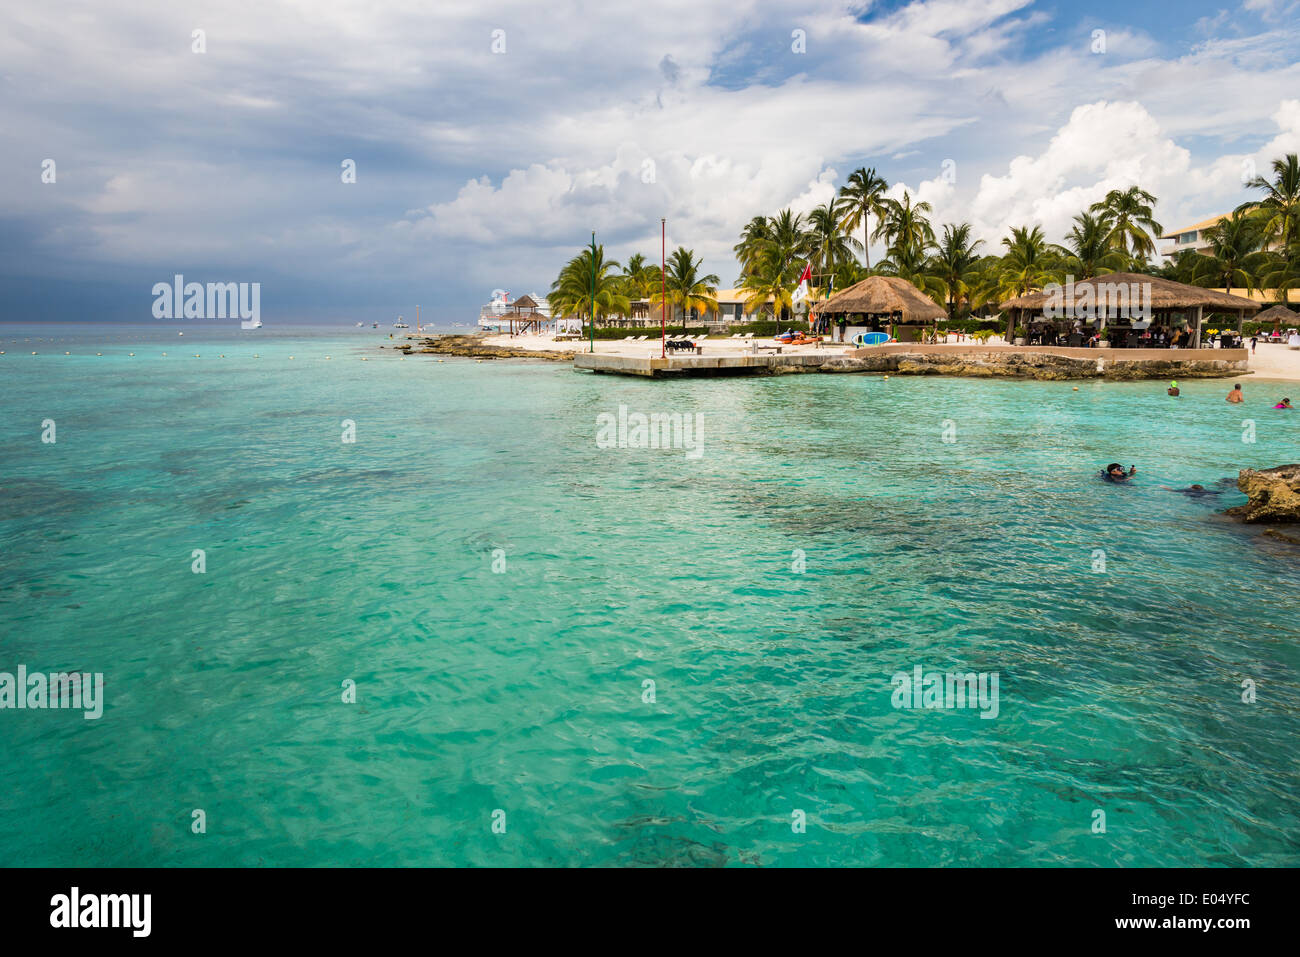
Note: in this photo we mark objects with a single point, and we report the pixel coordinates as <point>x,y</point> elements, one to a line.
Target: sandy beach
<point>1270,360</point>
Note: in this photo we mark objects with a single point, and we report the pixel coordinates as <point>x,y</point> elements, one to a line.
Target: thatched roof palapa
<point>1165,294</point>
<point>1278,314</point>
<point>883,296</point>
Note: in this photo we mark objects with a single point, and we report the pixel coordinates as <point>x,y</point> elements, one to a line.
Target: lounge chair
<point>749,335</point>
<point>641,338</point>
<point>628,338</point>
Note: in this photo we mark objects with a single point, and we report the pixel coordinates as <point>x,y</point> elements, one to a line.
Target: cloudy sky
<point>489,139</point>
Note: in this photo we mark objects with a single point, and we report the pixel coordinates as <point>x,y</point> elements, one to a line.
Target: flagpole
<point>593,291</point>
<point>663,276</point>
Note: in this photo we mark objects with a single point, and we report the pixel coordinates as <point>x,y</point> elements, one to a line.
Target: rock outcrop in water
<point>473,345</point>
<point>1274,494</point>
<point>1032,365</point>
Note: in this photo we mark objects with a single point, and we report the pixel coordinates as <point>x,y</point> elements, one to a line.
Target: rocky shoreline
<point>1043,366</point>
<point>473,346</point>
<point>991,364</point>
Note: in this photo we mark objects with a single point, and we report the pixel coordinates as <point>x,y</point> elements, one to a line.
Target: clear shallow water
<point>523,691</point>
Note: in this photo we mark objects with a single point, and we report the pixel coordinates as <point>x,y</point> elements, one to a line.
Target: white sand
<point>1273,360</point>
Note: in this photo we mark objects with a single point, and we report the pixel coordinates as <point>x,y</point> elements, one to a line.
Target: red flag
<point>806,275</point>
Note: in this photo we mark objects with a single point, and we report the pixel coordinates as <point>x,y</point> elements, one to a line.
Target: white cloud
<point>475,168</point>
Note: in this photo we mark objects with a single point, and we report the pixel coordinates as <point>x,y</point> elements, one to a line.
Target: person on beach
<point>1235,395</point>
<point>1284,404</point>
<point>1115,472</point>
<point>1254,341</point>
<point>1173,389</point>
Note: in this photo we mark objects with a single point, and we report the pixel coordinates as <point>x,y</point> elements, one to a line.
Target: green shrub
<point>759,329</point>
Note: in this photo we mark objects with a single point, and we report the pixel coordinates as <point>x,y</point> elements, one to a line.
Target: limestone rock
<point>1274,494</point>
<point>452,345</point>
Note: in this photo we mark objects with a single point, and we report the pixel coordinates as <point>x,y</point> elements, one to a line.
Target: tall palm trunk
<point>866,250</point>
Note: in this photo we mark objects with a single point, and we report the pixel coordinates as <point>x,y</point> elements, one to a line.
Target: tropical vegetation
<point>1255,247</point>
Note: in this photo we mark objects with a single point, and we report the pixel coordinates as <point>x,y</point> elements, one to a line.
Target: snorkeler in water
<point>1193,491</point>
<point>1115,472</point>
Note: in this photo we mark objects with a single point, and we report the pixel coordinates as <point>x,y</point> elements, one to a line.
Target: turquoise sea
<point>517,695</point>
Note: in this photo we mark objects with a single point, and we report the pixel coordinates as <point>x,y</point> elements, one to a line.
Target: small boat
<point>374,325</point>
<point>399,324</point>
<point>797,339</point>
<point>360,324</point>
<point>251,324</point>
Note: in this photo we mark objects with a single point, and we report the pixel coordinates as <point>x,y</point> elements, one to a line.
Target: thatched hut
<point>887,299</point>
<point>1280,316</point>
<point>1120,297</point>
<point>524,316</point>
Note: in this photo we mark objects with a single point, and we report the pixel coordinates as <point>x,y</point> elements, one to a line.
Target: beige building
<point>1192,237</point>
<point>731,309</point>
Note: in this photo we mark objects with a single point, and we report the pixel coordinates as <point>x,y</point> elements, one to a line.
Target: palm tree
<point>640,278</point>
<point>912,261</point>
<point>571,293</point>
<point>1234,256</point>
<point>686,287</point>
<point>848,273</point>
<point>1028,264</point>
<point>905,225</point>
<point>828,246</point>
<point>1281,273</point>
<point>863,196</point>
<point>789,241</point>
<point>767,280</point>
<point>1129,215</point>
<point>753,240</point>
<point>1279,210</point>
<point>1182,268</point>
<point>953,264</point>
<point>985,283</point>
<point>1089,253</point>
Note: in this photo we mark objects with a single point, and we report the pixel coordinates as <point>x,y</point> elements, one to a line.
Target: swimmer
<point>1115,472</point>
<point>1284,404</point>
<point>1193,491</point>
<point>1235,395</point>
<point>1173,388</point>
